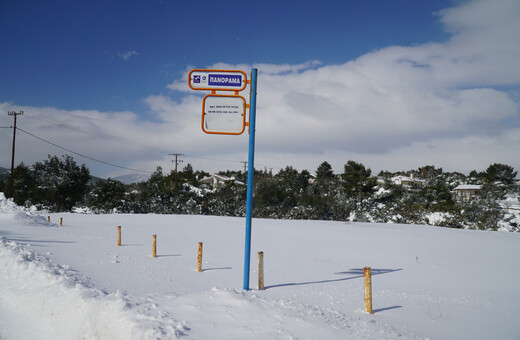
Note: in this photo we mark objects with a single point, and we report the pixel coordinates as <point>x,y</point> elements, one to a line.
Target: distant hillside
<point>132,178</point>
<point>4,173</point>
<point>95,179</point>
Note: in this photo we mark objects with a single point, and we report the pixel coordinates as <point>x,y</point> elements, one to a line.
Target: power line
<point>225,160</point>
<point>104,135</point>
<point>126,141</point>
<point>213,159</point>
<point>129,142</point>
<point>82,155</point>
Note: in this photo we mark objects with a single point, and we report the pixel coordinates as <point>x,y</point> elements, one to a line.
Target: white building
<point>465,192</point>
<point>409,183</point>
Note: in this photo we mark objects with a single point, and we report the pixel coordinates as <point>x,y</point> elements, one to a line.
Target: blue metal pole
<point>250,175</point>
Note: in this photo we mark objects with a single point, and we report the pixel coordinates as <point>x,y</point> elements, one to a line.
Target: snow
<point>381,192</point>
<point>437,217</point>
<point>74,282</point>
<point>511,205</point>
<point>468,187</point>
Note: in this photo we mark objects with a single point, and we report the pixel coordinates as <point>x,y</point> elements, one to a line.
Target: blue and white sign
<point>222,80</point>
<point>218,79</point>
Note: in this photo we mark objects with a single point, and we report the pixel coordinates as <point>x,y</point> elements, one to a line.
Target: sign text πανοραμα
<point>225,80</point>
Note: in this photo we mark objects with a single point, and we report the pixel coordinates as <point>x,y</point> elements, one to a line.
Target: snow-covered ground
<point>74,282</point>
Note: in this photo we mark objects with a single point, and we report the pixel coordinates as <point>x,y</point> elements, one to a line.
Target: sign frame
<point>206,86</point>
<point>216,132</point>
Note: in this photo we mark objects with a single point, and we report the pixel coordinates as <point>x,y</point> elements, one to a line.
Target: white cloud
<point>267,69</point>
<point>128,54</point>
<point>452,104</point>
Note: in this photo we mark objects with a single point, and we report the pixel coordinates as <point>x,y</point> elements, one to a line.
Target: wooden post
<point>118,235</point>
<point>261,270</point>
<point>48,218</point>
<point>61,221</point>
<point>368,289</point>
<point>154,246</point>
<point>199,258</point>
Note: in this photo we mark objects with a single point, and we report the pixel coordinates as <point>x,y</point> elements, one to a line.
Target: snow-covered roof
<point>214,179</point>
<point>406,178</point>
<point>468,187</point>
<point>217,177</point>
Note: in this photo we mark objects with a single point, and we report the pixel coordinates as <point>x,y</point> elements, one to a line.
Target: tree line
<point>59,184</point>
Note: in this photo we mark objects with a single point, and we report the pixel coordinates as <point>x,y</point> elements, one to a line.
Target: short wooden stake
<point>61,221</point>
<point>261,270</point>
<point>368,289</point>
<point>118,235</point>
<point>199,258</point>
<point>48,218</point>
<point>154,246</point>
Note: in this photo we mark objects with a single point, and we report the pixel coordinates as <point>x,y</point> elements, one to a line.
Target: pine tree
<point>60,183</point>
<point>500,173</point>
<point>357,180</point>
<point>24,184</point>
<point>108,195</point>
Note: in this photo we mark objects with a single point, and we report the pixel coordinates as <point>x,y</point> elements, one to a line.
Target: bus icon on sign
<point>196,79</point>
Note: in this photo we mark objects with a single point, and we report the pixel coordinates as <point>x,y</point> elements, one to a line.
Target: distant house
<point>465,192</point>
<point>218,180</point>
<point>408,183</point>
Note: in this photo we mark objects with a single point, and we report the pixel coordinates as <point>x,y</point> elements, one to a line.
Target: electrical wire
<point>82,155</point>
<point>128,142</point>
<point>213,159</point>
<point>133,143</point>
<point>104,135</point>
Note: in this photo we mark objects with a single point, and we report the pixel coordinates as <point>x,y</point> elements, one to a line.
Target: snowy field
<point>74,282</point>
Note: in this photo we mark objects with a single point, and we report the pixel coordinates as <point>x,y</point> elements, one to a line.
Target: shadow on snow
<point>355,272</point>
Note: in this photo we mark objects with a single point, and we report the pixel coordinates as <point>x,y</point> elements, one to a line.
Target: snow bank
<point>64,302</point>
<point>68,303</point>
<point>246,315</point>
<point>10,211</point>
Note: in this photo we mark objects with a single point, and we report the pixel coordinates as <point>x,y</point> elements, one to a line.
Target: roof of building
<point>468,187</point>
<point>221,178</point>
<point>406,178</point>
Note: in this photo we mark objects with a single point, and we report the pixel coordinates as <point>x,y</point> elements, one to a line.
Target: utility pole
<point>15,114</point>
<point>177,161</point>
<point>245,167</point>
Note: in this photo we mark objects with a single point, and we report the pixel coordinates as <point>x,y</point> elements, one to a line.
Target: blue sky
<point>393,84</point>
<point>108,55</point>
